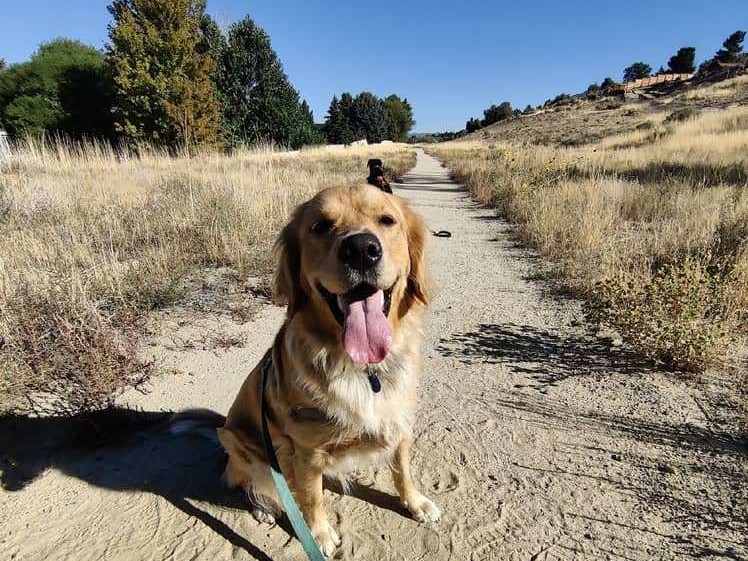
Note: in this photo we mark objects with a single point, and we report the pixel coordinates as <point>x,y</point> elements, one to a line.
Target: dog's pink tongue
<point>366,333</point>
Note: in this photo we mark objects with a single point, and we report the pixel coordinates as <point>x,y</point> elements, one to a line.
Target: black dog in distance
<point>376,175</point>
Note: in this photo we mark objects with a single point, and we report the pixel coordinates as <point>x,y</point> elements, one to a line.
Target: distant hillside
<point>576,121</point>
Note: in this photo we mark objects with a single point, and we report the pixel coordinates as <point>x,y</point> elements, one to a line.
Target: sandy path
<point>537,440</point>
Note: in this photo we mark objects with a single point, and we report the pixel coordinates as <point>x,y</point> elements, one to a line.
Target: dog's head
<point>353,258</point>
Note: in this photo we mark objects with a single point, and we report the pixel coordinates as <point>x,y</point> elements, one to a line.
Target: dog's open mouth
<point>362,312</point>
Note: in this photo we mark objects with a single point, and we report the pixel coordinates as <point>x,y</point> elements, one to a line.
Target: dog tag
<point>374,382</point>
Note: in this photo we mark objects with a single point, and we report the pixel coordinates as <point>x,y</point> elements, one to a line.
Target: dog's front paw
<point>422,508</point>
<point>263,516</point>
<point>326,537</point>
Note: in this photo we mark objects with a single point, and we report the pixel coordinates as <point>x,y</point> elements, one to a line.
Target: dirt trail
<point>538,440</point>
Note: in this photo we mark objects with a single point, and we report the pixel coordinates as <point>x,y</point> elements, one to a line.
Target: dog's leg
<point>254,478</point>
<point>244,470</point>
<point>422,509</point>
<point>308,491</point>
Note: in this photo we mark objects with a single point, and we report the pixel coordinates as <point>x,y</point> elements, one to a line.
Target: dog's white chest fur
<point>352,401</point>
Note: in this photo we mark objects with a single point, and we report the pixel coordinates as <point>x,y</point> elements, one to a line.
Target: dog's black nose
<point>361,251</point>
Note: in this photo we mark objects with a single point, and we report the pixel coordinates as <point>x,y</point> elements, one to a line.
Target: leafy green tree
<point>473,125</point>
<point>212,40</point>
<point>529,109</point>
<point>369,118</point>
<point>63,89</point>
<point>2,64</point>
<point>731,48</point>
<point>637,71</point>
<point>607,84</point>
<point>497,113</point>
<point>259,102</point>
<point>683,61</point>
<point>162,73</point>
<point>399,115</point>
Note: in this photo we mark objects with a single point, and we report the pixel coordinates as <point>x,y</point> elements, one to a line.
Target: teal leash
<point>299,525</point>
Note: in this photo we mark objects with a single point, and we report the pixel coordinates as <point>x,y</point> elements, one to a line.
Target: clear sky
<point>450,59</point>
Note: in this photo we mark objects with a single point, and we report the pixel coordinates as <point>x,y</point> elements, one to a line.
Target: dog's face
<point>353,257</point>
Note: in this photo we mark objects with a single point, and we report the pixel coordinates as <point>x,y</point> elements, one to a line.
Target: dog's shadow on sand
<point>126,450</point>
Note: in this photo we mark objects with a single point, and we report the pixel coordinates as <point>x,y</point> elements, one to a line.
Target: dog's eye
<point>322,226</point>
<point>386,220</point>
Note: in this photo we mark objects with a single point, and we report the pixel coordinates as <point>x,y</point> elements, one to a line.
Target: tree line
<point>169,76</point>
<point>682,62</point>
<point>366,116</point>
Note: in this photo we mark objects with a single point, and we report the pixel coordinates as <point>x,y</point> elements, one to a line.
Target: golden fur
<point>325,418</point>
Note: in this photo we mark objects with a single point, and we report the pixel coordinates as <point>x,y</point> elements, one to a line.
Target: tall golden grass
<point>651,227</point>
<point>92,238</point>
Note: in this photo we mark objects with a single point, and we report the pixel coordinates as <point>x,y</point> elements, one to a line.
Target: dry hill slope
<point>578,122</point>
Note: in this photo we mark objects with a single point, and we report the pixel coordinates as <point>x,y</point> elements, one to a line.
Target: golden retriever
<point>351,270</point>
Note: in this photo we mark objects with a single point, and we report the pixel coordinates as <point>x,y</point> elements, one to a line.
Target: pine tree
<point>260,104</point>
<point>683,61</point>
<point>369,117</point>
<point>473,125</point>
<point>333,121</point>
<point>347,130</point>
<point>307,132</point>
<point>497,113</point>
<point>731,48</point>
<point>637,71</point>
<point>162,73</point>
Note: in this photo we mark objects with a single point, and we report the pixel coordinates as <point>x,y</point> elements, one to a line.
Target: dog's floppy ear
<point>287,281</point>
<point>417,290</point>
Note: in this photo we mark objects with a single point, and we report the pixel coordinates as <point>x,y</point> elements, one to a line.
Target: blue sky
<point>450,59</point>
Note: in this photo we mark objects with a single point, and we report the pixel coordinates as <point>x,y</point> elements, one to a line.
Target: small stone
<point>615,457</point>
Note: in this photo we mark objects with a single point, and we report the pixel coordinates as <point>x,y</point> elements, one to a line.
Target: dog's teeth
<point>340,303</point>
<point>381,297</point>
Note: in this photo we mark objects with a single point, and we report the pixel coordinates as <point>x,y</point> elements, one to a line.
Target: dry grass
<point>91,239</point>
<point>733,91</point>
<point>653,230</point>
<point>581,122</point>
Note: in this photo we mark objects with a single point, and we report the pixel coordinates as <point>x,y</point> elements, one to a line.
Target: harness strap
<point>299,525</point>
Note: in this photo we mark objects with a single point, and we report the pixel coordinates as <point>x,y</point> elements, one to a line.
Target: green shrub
<point>677,317</point>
